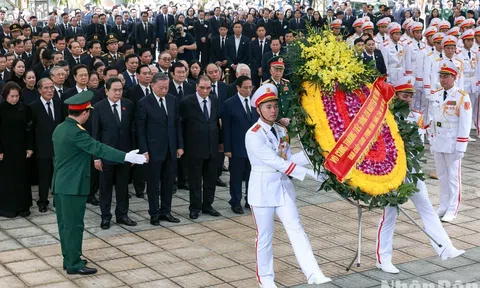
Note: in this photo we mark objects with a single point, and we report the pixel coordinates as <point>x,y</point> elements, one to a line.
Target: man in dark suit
<point>131,63</point>
<point>348,19</point>
<point>113,125</point>
<point>46,115</point>
<point>201,29</point>
<point>249,27</point>
<point>373,54</point>
<point>144,35</point>
<point>416,17</point>
<point>267,22</point>
<point>43,66</point>
<point>74,30</point>
<point>142,89</point>
<point>64,25</point>
<point>281,26</point>
<point>121,30</point>
<point>36,29</point>
<point>94,27</point>
<point>179,88</point>
<point>259,47</point>
<point>242,70</point>
<point>200,118</point>
<point>218,51</point>
<point>216,22</point>
<point>309,16</point>
<point>162,23</point>
<point>160,139</point>
<point>275,51</point>
<point>297,23</point>
<point>219,91</point>
<point>75,54</point>
<point>237,117</point>
<point>238,49</point>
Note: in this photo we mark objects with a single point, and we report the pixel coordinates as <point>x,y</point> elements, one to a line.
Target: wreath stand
<point>360,208</point>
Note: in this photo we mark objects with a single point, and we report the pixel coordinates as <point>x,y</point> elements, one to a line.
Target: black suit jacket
<point>187,89</point>
<point>280,28</point>
<point>78,31</point>
<point>215,25</point>
<point>39,70</point>
<point>62,29</point>
<point>28,60</point>
<point>256,52</point>
<point>240,56</point>
<point>106,130</point>
<point>135,93</point>
<point>301,27</point>
<point>93,29</point>
<point>122,34</point>
<point>160,29</point>
<point>379,61</point>
<point>201,135</point>
<point>249,30</point>
<point>43,127</point>
<point>268,25</point>
<point>222,94</point>
<point>142,38</point>
<point>216,53</point>
<point>157,133</point>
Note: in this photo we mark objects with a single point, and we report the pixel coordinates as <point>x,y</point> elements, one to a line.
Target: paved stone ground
<point>219,252</point>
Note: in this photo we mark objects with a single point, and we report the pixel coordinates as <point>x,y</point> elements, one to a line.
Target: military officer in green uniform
<point>73,149</point>
<point>112,56</point>
<point>446,12</point>
<point>277,68</point>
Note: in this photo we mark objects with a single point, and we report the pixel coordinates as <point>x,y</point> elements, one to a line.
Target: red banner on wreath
<point>361,132</point>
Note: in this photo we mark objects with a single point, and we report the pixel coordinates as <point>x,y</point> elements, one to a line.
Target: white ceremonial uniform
<point>435,76</point>
<point>380,40</point>
<point>471,73</point>
<point>425,209</point>
<point>270,192</point>
<point>450,126</point>
<point>415,55</point>
<point>393,55</point>
<point>351,39</point>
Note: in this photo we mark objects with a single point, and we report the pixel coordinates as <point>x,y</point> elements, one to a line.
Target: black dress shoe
<point>140,195</point>
<point>220,183</point>
<point>174,189</point>
<point>42,209</point>
<point>84,263</point>
<point>155,221</point>
<point>169,218</point>
<point>84,271</point>
<point>184,186</point>
<point>105,224</point>
<point>93,201</point>
<point>238,209</point>
<point>247,206</point>
<point>24,213</point>
<point>211,211</point>
<point>126,221</point>
<point>193,215</point>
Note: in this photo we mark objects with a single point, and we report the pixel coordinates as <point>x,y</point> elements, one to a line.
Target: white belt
<point>263,169</point>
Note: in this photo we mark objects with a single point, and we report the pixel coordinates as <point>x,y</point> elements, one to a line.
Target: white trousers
<point>264,219</point>
<point>449,173</point>
<point>430,220</point>
<point>420,103</point>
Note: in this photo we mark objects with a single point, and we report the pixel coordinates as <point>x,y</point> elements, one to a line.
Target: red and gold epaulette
<point>255,129</point>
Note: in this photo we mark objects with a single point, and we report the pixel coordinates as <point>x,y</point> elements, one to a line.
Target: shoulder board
<point>422,48</point>
<point>256,127</point>
<point>119,53</point>
<point>81,127</point>
<point>105,55</point>
<point>458,52</point>
<point>285,80</point>
<point>409,42</point>
<point>385,43</point>
<point>438,90</point>
<point>438,59</point>
<point>266,81</point>
<point>429,53</point>
<point>281,126</point>
<point>462,92</point>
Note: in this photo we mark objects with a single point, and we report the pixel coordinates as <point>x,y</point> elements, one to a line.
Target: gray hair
<point>54,69</point>
<point>40,82</point>
<point>241,66</point>
<point>160,77</point>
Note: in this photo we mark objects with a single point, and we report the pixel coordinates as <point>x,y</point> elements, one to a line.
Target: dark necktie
<point>214,92</point>
<point>162,108</point>
<point>165,20</point>
<point>274,132</point>
<point>146,29</point>
<point>77,60</point>
<point>133,79</point>
<point>180,92</point>
<point>444,95</point>
<point>34,29</point>
<point>223,43</point>
<point>60,93</point>
<point>396,47</point>
<point>205,110</point>
<point>74,30</point>
<point>114,57</point>
<point>383,38</point>
<point>469,56</point>
<point>418,44</point>
<point>147,91</point>
<point>1,76</point>
<point>441,56</point>
<point>115,114</point>
<point>119,28</point>
<point>50,113</point>
<point>247,107</point>
<point>261,45</point>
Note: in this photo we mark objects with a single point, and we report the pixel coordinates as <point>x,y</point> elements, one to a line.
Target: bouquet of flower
<point>350,123</point>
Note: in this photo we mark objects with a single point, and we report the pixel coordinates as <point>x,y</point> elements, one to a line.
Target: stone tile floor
<point>219,252</point>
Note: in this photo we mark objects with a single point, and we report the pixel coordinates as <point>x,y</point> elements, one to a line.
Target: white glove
<point>458,155</point>
<point>135,158</point>
<point>431,150</point>
<point>320,177</point>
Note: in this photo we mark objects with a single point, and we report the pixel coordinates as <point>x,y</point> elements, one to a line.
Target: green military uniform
<point>445,13</point>
<point>73,148</point>
<point>112,58</point>
<point>284,89</point>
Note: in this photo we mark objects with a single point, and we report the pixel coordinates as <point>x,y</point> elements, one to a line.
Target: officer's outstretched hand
<point>320,177</point>
<point>458,155</point>
<point>135,158</point>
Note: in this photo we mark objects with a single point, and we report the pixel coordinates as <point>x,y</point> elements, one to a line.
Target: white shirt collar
<point>80,89</point>
<point>119,103</point>
<point>45,101</point>
<point>200,99</point>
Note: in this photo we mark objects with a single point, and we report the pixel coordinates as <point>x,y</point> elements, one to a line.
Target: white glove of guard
<point>320,177</point>
<point>431,150</point>
<point>135,158</point>
<point>458,155</point>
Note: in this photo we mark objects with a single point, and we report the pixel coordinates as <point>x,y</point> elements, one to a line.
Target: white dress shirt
<point>242,100</point>
<point>44,102</point>
<point>160,103</point>
<point>80,89</point>
<point>119,107</point>
<point>209,103</point>
<point>144,88</point>
<point>237,42</point>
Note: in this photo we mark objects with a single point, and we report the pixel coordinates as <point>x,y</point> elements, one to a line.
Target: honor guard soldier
<point>458,20</point>
<point>428,37</point>
<point>435,22</point>
<point>449,45</point>
<point>357,26</point>
<point>406,37</point>
<point>455,32</point>
<point>271,192</point>
<point>367,28</point>
<point>404,90</point>
<point>393,53</point>
<point>73,149</point>
<point>382,34</point>
<point>430,60</point>
<point>476,44</point>
<point>471,71</point>
<point>113,57</point>
<point>415,54</point>
<point>467,24</point>
<point>284,88</point>
<point>451,117</point>
<point>444,26</point>
<point>446,12</point>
